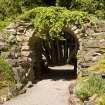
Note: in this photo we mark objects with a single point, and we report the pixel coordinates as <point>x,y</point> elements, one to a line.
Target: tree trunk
<point>65,52</point>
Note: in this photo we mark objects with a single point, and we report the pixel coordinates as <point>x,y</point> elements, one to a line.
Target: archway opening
<point>55,57</point>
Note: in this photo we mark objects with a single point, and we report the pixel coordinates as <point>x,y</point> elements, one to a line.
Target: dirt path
<point>51,90</point>
<point>45,92</point>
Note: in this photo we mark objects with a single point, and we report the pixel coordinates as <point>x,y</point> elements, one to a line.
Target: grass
<point>90,86</point>
<point>5,23</point>
<point>7,80</point>
<point>101,101</point>
<point>100,67</point>
<point>6,69</point>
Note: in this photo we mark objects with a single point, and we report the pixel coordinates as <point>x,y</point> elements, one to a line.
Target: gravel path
<point>45,92</point>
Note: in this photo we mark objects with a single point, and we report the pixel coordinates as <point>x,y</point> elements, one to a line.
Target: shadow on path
<point>55,75</point>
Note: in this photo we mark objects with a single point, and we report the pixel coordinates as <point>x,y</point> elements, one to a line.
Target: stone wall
<point>92,46</point>
<point>19,37</point>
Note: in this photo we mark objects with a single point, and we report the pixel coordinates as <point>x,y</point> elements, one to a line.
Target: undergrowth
<point>99,67</point>
<point>6,70</point>
<point>90,86</point>
<point>54,20</point>
<point>101,101</point>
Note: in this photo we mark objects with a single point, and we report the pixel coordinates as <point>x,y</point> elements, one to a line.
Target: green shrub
<point>31,3</point>
<point>6,70</point>
<point>83,94</point>
<point>100,67</point>
<point>100,14</point>
<point>90,6</point>
<point>9,8</point>
<point>92,85</point>
<point>65,3</point>
<point>4,23</point>
<point>101,101</point>
<point>51,21</point>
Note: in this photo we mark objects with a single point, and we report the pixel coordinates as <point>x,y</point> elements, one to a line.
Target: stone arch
<point>26,53</point>
<point>20,54</point>
<point>53,52</point>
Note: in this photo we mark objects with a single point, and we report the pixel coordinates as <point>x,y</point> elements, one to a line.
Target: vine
<point>51,22</point>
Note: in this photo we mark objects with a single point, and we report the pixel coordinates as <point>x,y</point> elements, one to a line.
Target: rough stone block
<point>13,62</point>
<point>25,53</point>
<point>25,48</point>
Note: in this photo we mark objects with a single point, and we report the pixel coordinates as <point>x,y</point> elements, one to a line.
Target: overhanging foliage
<point>52,22</point>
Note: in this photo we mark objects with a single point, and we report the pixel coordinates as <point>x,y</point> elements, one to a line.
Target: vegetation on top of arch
<point>51,22</point>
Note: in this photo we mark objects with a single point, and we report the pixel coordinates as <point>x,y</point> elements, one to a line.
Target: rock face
<point>22,57</point>
<point>74,101</point>
<point>92,46</point>
<point>18,35</point>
